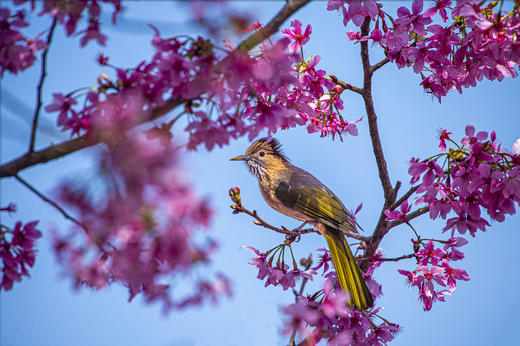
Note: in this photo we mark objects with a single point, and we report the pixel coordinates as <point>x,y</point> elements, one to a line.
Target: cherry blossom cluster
<point>69,12</point>
<point>326,314</point>
<point>434,277</point>
<point>17,52</point>
<point>480,41</point>
<point>224,97</point>
<point>280,273</point>
<point>139,229</point>
<point>475,176</point>
<point>316,97</point>
<point>17,250</point>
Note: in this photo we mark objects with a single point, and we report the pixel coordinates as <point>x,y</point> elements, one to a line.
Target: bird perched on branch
<point>296,193</point>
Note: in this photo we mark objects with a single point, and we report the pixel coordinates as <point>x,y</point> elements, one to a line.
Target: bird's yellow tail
<point>348,273</point>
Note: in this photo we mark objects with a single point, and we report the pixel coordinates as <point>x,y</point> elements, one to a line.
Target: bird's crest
<point>272,146</point>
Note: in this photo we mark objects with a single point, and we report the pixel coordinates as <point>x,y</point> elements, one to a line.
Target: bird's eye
<point>262,153</point>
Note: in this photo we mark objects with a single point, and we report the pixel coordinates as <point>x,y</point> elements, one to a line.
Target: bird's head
<point>262,156</point>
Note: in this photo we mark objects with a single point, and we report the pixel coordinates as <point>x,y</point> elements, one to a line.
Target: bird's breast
<point>268,192</point>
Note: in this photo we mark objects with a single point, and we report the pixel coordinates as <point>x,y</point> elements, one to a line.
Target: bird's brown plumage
<point>296,193</point>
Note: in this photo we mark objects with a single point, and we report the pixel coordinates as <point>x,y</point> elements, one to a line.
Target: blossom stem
<point>369,319</point>
<point>292,255</point>
<point>413,229</point>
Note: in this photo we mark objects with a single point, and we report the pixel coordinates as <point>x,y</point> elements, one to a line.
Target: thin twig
<point>380,64</point>
<point>409,217</point>
<point>51,202</point>
<point>260,222</point>
<point>272,27</point>
<point>240,209</point>
<point>394,259</point>
<point>404,197</point>
<point>39,88</point>
<point>344,85</point>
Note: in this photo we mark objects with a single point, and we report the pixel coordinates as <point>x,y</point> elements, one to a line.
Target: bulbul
<point>298,194</point>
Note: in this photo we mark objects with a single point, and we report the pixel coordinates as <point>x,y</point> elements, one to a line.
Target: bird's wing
<point>316,201</point>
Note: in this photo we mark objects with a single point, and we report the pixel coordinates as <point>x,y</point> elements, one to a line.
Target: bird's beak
<point>239,158</point>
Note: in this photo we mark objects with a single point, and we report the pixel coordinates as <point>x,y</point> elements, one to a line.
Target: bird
<point>296,193</point>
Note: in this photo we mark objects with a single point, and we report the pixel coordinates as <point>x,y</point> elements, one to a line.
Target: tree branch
<point>272,27</point>
<point>56,151</point>
<point>389,193</point>
<point>394,259</point>
<point>39,88</point>
<point>409,217</point>
<point>344,85</point>
<point>404,197</point>
<point>51,202</point>
<point>260,222</point>
<point>372,117</point>
<point>380,64</point>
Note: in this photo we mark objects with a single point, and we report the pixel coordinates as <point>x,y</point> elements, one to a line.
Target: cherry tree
<point>143,225</point>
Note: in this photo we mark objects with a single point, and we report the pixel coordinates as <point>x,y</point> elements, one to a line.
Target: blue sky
<point>44,310</point>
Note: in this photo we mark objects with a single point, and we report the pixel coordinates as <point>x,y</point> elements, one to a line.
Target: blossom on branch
<point>478,176</point>
<point>140,232</point>
<point>296,34</point>
<point>17,52</point>
<point>17,252</point>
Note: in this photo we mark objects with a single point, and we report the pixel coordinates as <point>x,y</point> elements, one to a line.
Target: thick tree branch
<point>372,117</point>
<point>53,152</point>
<point>56,151</point>
<point>389,193</point>
<point>39,88</point>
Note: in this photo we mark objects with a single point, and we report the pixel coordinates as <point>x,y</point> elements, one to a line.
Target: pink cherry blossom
<point>443,136</point>
<point>355,10</point>
<point>279,274</point>
<point>516,147</point>
<point>17,52</point>
<point>398,214</point>
<point>142,229</point>
<point>429,254</point>
<point>296,34</point>
<point>17,252</point>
